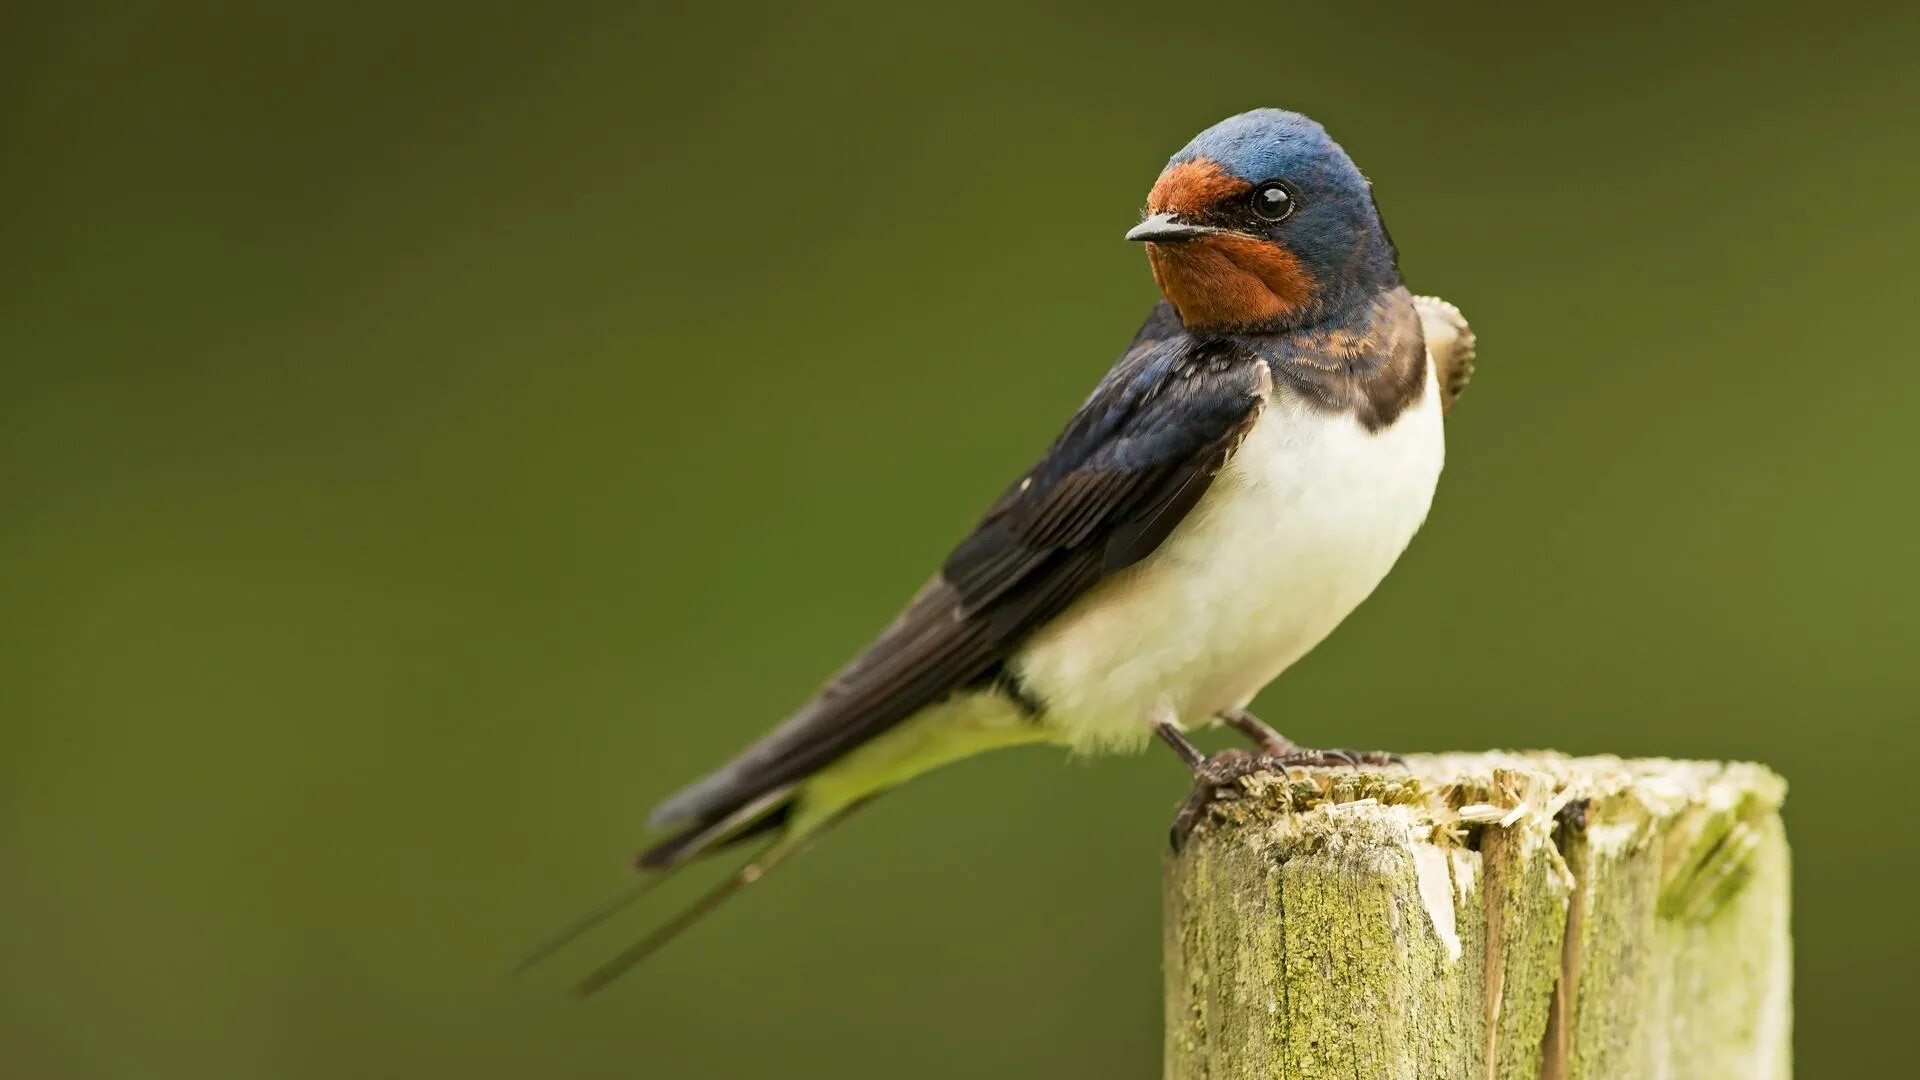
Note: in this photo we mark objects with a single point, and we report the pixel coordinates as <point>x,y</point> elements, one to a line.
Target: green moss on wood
<point>1483,916</point>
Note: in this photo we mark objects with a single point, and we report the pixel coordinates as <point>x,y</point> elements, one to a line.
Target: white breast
<point>1307,517</point>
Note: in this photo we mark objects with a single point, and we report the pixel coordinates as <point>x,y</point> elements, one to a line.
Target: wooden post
<point>1491,917</point>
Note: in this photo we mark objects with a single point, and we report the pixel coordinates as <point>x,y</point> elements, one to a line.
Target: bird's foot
<point>1218,775</point>
<point>1214,777</point>
<point>1327,759</point>
<point>1285,751</point>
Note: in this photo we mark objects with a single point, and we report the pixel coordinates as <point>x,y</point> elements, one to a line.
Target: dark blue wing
<point>1129,466</point>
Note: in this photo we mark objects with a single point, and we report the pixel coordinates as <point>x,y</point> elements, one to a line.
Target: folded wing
<point>1129,466</point>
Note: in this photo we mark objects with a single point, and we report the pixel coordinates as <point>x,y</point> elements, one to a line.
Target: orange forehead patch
<point>1192,187</point>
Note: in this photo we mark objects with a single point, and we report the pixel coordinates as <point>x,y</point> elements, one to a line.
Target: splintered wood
<point>1485,916</point>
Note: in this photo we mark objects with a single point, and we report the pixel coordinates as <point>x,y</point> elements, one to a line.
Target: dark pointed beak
<point>1166,229</point>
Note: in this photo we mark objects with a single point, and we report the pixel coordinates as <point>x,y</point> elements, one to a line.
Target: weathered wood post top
<point>1489,916</point>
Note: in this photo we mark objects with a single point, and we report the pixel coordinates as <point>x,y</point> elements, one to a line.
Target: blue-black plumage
<point>1240,480</point>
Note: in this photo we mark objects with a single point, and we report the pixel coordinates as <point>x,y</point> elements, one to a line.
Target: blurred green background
<point>431,433</point>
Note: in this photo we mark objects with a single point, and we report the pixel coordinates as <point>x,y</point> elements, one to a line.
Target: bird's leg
<point>1270,742</point>
<point>1285,751</point>
<point>1218,775</point>
<point>1171,734</point>
<point>1213,775</point>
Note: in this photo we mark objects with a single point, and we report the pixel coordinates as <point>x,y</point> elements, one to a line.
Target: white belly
<point>1307,517</point>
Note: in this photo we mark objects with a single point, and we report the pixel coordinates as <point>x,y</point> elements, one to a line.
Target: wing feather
<point>1130,465</point>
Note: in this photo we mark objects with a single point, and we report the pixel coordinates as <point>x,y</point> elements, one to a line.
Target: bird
<point>1240,480</point>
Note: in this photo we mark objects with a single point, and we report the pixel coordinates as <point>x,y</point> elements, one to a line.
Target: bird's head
<point>1263,223</point>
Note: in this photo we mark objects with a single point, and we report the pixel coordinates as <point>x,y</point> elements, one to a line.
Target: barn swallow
<point>1241,479</point>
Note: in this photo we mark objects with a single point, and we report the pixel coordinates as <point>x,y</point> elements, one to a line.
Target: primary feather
<point>1130,464</point>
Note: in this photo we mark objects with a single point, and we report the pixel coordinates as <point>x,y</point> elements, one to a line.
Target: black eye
<point>1273,201</point>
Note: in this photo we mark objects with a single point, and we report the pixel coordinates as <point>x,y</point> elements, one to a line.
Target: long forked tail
<point>660,862</point>
<point>630,957</point>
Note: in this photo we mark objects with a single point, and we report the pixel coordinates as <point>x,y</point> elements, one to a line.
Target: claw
<point>1218,776</point>
<point>1351,759</point>
<point>1215,777</point>
<point>1279,747</point>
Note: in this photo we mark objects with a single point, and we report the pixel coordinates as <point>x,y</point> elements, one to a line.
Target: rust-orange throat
<point>1219,278</point>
